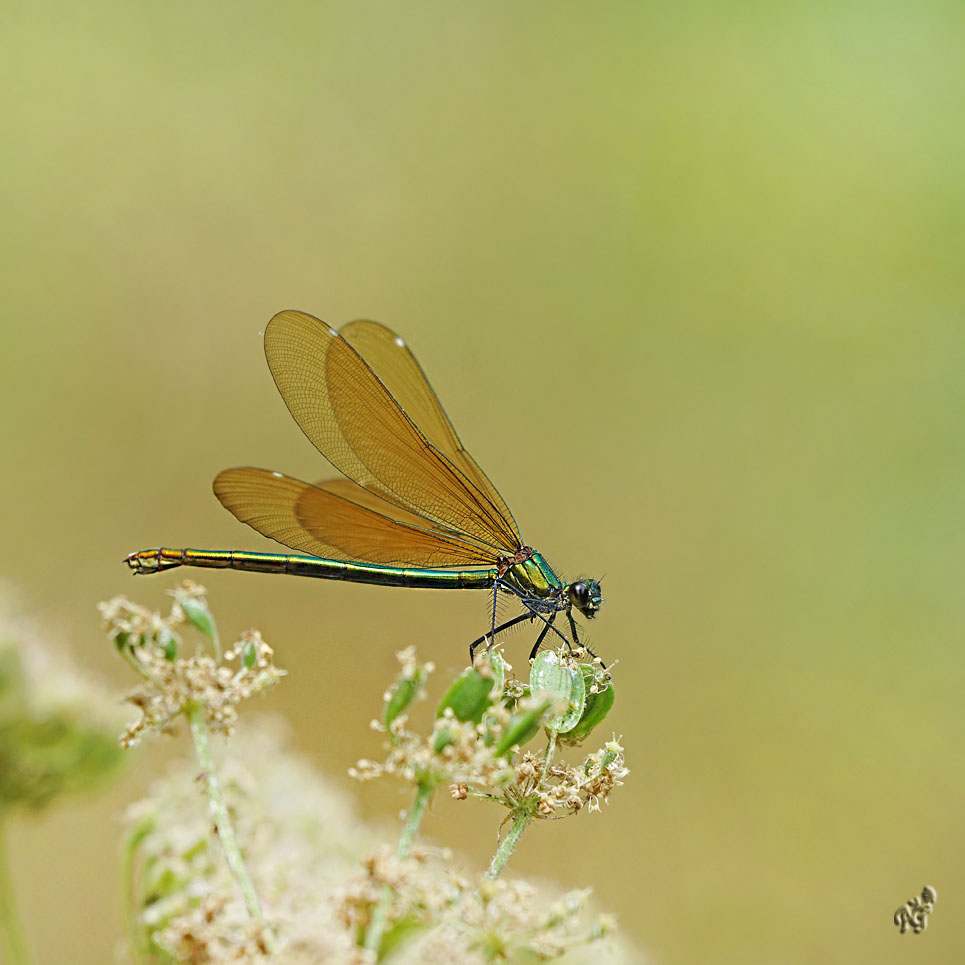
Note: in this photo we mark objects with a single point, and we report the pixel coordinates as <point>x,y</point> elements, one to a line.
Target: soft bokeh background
<point>689,280</point>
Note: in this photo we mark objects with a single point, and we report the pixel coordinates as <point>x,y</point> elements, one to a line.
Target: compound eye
<point>580,594</point>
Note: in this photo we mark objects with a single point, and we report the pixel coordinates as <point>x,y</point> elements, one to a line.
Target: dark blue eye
<point>579,594</point>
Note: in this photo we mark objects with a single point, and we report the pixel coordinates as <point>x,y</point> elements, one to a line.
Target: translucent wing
<point>352,418</point>
<point>363,497</point>
<point>320,522</point>
<point>391,359</point>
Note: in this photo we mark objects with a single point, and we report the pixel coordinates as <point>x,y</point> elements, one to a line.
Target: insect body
<point>415,509</point>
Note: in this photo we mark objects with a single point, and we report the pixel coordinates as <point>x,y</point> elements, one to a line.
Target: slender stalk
<point>413,819</point>
<point>216,643</point>
<point>11,933</point>
<point>135,933</point>
<point>506,847</point>
<point>222,822</point>
<point>523,815</point>
<point>376,929</point>
<point>128,655</point>
<point>548,758</point>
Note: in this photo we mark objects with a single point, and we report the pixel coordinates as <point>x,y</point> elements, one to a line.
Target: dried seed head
<point>172,682</point>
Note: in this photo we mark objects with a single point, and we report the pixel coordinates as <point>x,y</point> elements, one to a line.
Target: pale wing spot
<point>400,342</point>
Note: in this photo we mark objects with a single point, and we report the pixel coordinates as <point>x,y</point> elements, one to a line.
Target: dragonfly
<point>412,508</point>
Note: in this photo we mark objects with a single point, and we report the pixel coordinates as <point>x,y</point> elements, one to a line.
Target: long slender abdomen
<point>164,558</point>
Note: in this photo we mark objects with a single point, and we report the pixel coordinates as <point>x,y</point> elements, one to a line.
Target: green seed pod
<point>198,614</point>
<point>497,667</point>
<point>610,754</point>
<point>406,688</point>
<point>123,641</point>
<point>468,696</point>
<point>168,643</point>
<point>562,685</point>
<point>522,728</point>
<point>597,706</point>
<point>249,654</point>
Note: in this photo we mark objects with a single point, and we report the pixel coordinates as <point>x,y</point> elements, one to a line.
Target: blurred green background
<point>688,279</point>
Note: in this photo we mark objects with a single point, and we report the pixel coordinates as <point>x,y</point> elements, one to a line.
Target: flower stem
<point>413,819</point>
<point>216,644</point>
<point>376,929</point>
<point>11,934</point>
<point>523,815</point>
<point>223,825</point>
<point>135,934</point>
<point>548,759</point>
<point>506,847</point>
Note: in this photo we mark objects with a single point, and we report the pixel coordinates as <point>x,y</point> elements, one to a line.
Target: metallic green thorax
<point>534,577</point>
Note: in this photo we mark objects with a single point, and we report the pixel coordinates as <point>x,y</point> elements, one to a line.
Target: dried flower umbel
<point>193,899</point>
<point>202,688</point>
<point>440,917</point>
<point>475,746</point>
<point>303,846</point>
<point>174,684</point>
<point>475,742</point>
<point>301,840</point>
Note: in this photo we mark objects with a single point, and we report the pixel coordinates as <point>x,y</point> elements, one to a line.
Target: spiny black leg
<point>536,615</point>
<point>499,629</point>
<point>495,596</point>
<point>576,638</point>
<point>539,639</point>
<point>532,604</point>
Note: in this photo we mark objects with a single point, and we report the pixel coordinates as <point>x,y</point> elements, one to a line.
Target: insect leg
<point>536,609</point>
<point>576,638</point>
<point>495,595</point>
<point>503,626</point>
<point>539,639</point>
<point>548,621</point>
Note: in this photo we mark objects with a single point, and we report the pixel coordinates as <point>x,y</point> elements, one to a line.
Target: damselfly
<point>415,509</point>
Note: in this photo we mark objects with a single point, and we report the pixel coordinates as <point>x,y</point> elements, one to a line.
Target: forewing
<point>320,522</point>
<point>391,359</point>
<point>353,420</point>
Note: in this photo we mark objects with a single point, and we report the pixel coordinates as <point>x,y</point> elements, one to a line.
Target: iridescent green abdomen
<point>151,561</point>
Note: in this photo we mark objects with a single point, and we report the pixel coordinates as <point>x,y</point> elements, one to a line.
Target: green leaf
<point>561,684</point>
<point>597,706</point>
<point>468,696</point>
